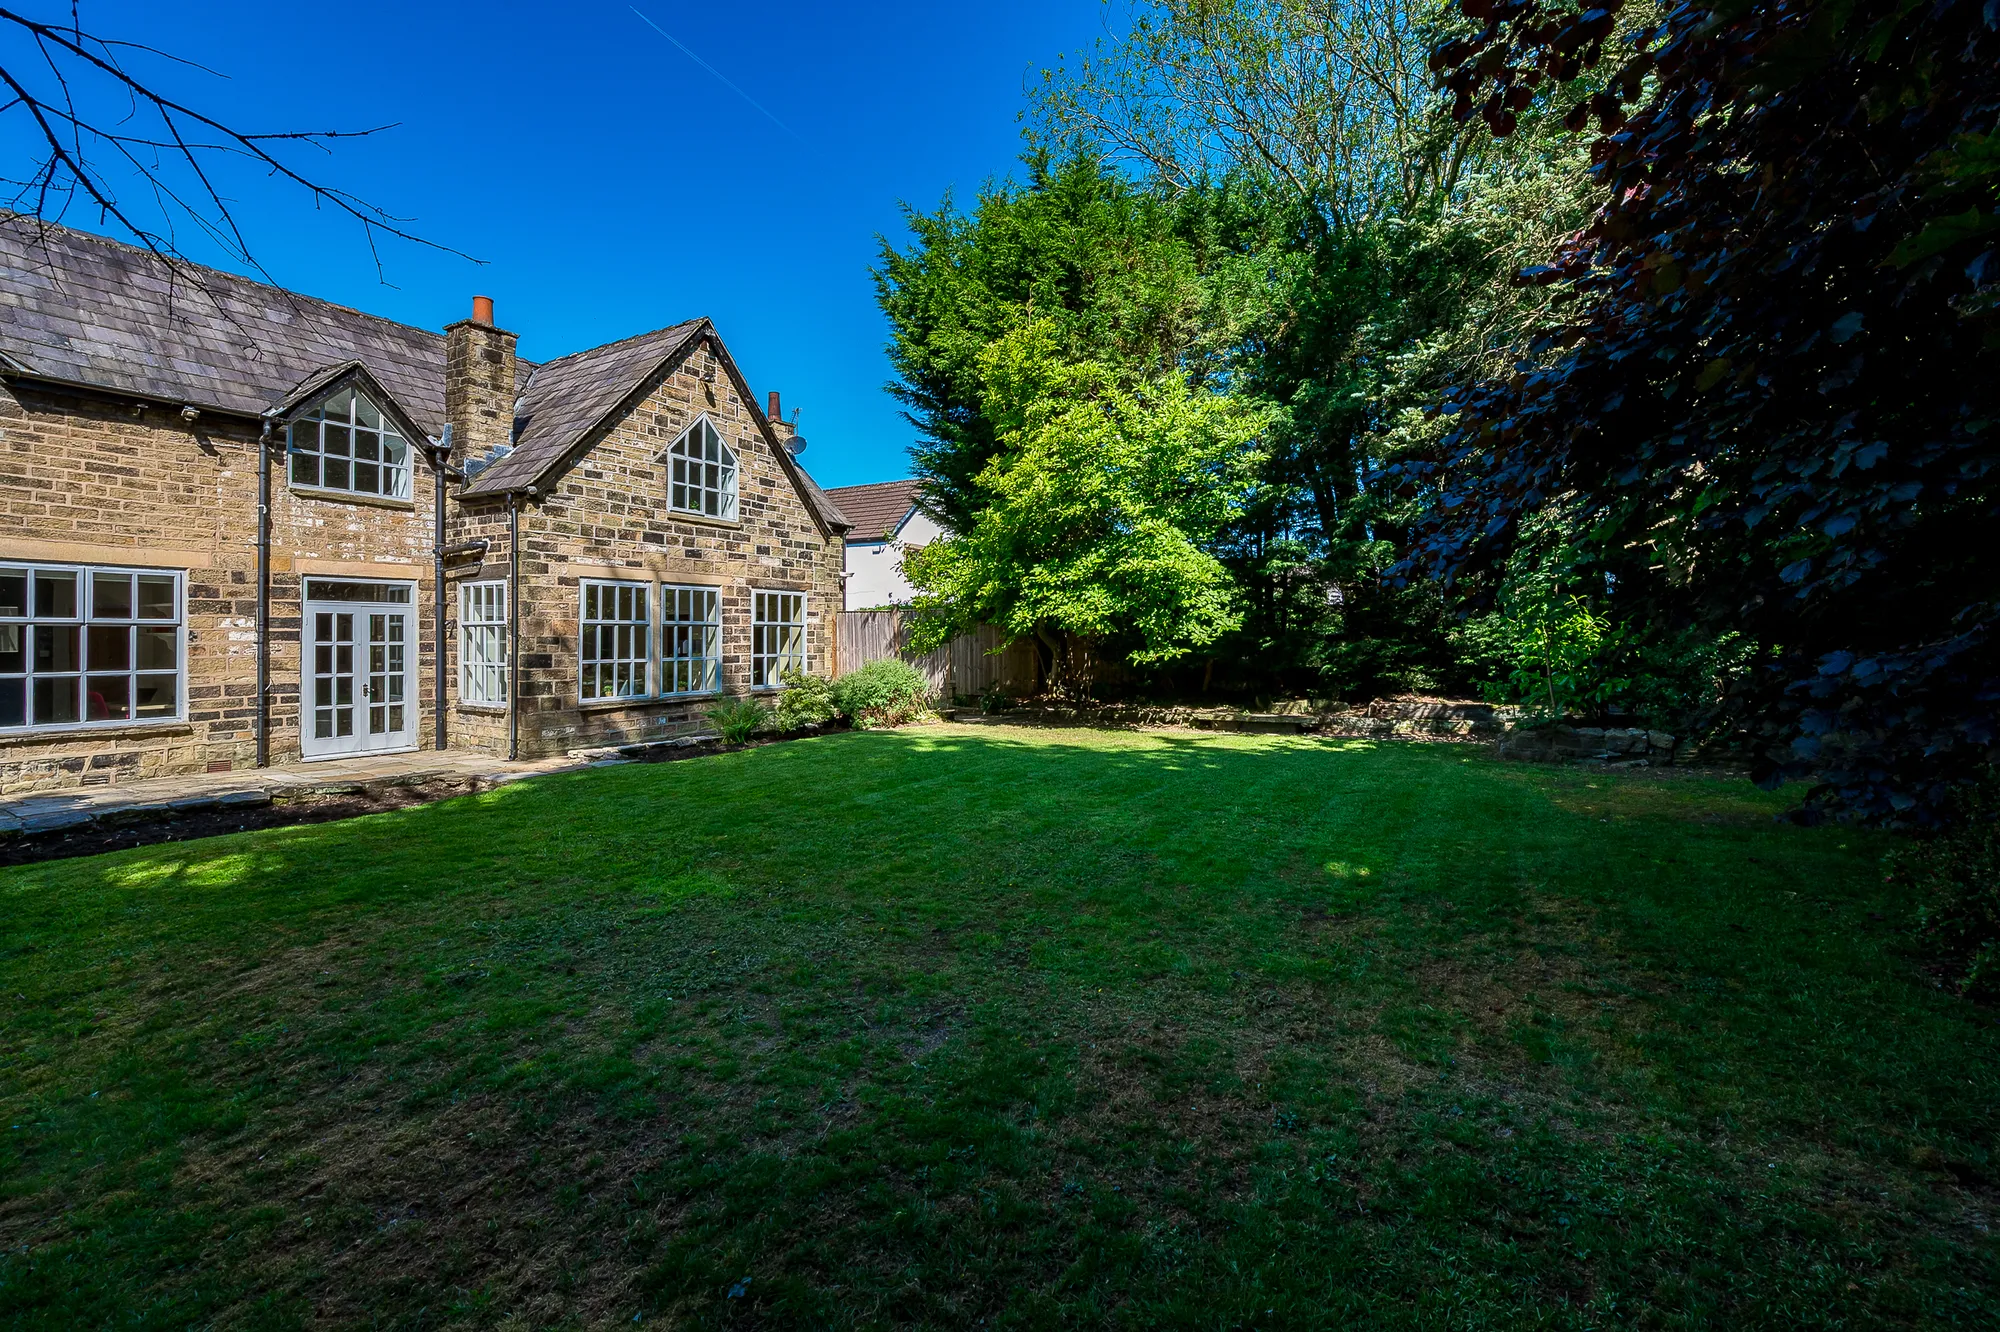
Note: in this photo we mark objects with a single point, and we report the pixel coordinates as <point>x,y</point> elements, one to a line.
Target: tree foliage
<point>1327,100</point>
<point>1772,404</point>
<point>1382,233</point>
<point>1115,273</point>
<point>1093,514</point>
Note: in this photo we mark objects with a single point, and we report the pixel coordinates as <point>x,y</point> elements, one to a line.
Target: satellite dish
<point>795,445</point>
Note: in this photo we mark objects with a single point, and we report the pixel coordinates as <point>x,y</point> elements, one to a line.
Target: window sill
<point>107,730</point>
<point>484,709</point>
<point>352,497</point>
<point>702,519</point>
<point>649,701</point>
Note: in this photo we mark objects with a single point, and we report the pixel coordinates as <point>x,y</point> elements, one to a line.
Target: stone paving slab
<point>137,802</point>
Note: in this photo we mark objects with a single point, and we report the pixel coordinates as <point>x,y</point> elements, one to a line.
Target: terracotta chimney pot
<point>482,310</point>
<point>771,412</point>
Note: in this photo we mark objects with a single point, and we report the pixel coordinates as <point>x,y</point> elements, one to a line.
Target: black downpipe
<point>513,626</point>
<point>439,455</point>
<point>264,595</point>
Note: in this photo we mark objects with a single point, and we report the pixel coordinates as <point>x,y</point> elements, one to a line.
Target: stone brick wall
<point>479,388</point>
<point>89,478</point>
<point>93,479</point>
<point>605,516</point>
<point>475,727</point>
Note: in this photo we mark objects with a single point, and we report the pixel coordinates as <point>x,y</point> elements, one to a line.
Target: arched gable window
<point>344,442</point>
<point>702,473</point>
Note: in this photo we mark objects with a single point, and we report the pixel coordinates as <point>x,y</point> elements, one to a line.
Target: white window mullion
<point>482,657</point>
<point>777,637</point>
<point>690,640</point>
<point>344,443</point>
<point>702,473</point>
<point>614,640</point>
<point>83,646</point>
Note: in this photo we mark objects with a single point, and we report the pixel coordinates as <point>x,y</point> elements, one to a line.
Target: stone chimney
<point>775,415</point>
<point>478,383</point>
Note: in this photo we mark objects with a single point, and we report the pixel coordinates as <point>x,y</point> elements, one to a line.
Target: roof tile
<point>876,510</point>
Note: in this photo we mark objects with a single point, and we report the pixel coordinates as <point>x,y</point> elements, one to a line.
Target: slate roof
<point>81,309</point>
<point>85,310</point>
<point>836,517</point>
<point>878,510</point>
<point>567,397</point>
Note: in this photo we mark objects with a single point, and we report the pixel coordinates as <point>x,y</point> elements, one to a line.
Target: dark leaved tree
<point>1774,406</point>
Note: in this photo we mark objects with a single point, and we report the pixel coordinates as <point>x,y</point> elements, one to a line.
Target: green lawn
<point>968,1026</point>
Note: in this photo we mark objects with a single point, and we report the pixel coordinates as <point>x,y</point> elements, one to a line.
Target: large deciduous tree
<point>1116,273</point>
<point>1091,520</point>
<point>1385,230</point>
<point>1774,405</point>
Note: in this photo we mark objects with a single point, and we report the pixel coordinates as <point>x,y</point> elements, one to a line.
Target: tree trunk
<point>1051,667</point>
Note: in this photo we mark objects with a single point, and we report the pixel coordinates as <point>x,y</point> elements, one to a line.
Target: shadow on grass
<point>1045,1028</point>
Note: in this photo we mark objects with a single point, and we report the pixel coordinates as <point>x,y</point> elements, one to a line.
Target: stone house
<point>885,525</point>
<point>241,526</point>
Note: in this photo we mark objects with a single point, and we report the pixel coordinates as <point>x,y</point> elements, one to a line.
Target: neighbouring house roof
<point>878,511</point>
<point>84,310</point>
<point>81,309</point>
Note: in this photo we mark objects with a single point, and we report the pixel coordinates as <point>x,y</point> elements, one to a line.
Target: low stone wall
<point>1558,743</point>
<point>1419,719</point>
<point>1384,719</point>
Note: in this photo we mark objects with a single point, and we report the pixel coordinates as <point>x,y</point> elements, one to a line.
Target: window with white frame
<point>690,640</point>
<point>81,645</point>
<point>614,645</point>
<point>777,637</point>
<point>346,443</point>
<point>482,644</point>
<point>702,473</point>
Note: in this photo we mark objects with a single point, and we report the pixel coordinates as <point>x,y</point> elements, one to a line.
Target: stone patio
<point>134,802</point>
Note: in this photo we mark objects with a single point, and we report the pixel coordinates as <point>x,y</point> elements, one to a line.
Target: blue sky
<point>613,184</point>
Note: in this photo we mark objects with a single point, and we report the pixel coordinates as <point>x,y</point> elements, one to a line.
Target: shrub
<point>807,701</point>
<point>882,693</point>
<point>1956,873</point>
<point>737,719</point>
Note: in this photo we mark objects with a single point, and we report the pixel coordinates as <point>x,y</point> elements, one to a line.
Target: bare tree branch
<point>1330,98</point>
<point>182,145</point>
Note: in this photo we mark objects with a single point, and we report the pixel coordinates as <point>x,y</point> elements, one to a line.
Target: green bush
<point>1956,874</point>
<point>882,693</point>
<point>737,719</point>
<point>807,701</point>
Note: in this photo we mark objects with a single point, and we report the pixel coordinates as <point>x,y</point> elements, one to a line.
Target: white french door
<point>359,664</point>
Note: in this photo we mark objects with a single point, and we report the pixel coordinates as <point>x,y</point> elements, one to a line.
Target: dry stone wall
<point>1559,743</point>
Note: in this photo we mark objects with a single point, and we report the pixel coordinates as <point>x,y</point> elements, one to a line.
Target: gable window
<point>81,645</point>
<point>690,640</point>
<point>344,443</point>
<point>482,644</point>
<point>614,645</point>
<point>777,637</point>
<point>702,473</point>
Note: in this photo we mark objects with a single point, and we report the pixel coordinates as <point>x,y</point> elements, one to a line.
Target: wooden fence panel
<point>970,664</point>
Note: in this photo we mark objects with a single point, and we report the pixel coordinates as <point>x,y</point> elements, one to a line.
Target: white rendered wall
<point>875,569</point>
